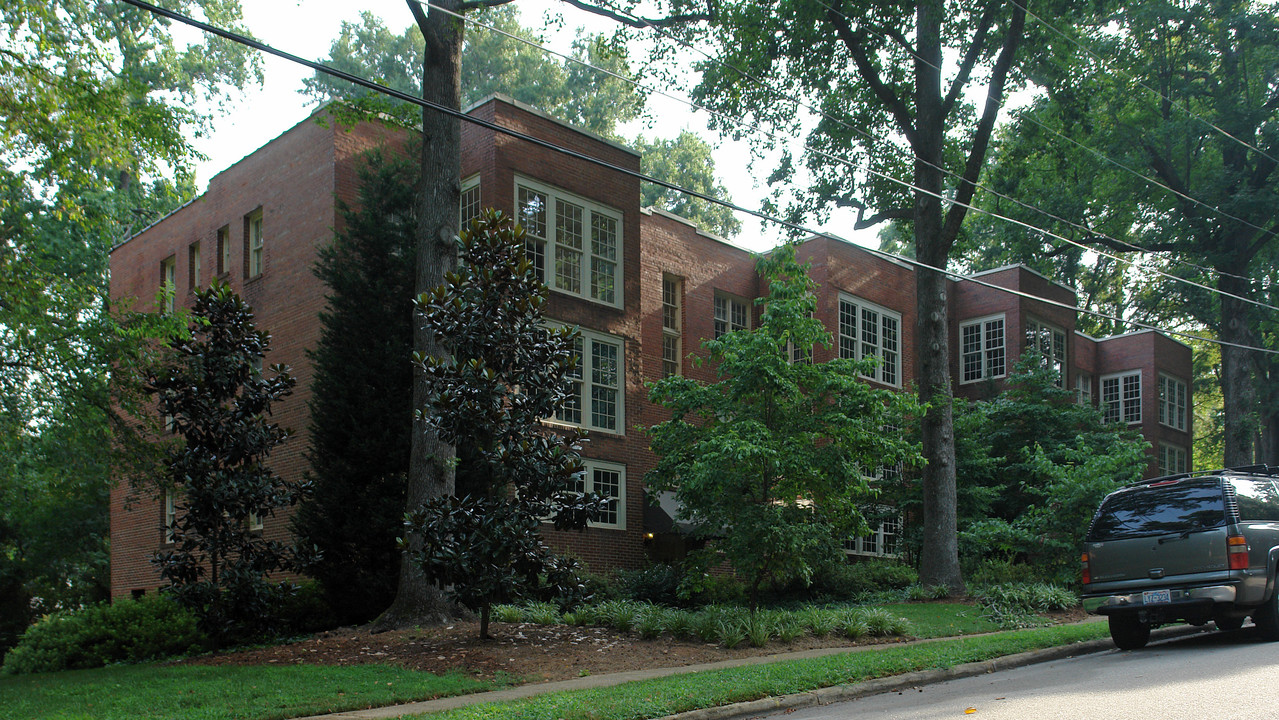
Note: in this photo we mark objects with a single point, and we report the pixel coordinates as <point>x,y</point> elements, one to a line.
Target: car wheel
<point>1266,617</point>
<point>1228,623</point>
<point>1128,632</point>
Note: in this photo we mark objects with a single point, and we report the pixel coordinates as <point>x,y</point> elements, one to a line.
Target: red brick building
<point>643,285</point>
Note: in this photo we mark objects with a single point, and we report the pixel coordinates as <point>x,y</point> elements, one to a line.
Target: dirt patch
<point>528,653</point>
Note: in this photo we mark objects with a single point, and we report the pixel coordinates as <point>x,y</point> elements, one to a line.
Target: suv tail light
<point>1237,552</point>
<point>1087,574</point>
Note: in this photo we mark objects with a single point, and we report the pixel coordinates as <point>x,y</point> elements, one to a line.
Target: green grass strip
<point>222,692</point>
<point>680,693</point>
<point>933,620</point>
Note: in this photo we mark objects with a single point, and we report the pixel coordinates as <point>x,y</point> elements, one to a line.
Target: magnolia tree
<point>507,371</point>
<point>217,402</point>
<point>771,461</point>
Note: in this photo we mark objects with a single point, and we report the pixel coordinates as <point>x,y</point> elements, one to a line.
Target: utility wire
<point>848,163</point>
<point>1130,78</point>
<point>457,114</point>
<point>1033,117</point>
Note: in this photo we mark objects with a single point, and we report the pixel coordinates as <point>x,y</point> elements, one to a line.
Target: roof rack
<point>1267,470</point>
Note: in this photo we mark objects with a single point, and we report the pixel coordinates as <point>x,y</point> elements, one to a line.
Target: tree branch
<point>641,23</point>
<point>474,4</point>
<point>853,41</point>
<point>981,137</point>
<point>970,59</point>
<point>1165,172</point>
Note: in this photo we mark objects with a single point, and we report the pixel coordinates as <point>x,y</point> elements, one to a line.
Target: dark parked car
<point>1186,548</point>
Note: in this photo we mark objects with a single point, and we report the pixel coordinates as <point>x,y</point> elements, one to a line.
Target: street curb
<point>913,680</point>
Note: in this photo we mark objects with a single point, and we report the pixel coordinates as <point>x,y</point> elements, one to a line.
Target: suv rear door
<point>1162,534</point>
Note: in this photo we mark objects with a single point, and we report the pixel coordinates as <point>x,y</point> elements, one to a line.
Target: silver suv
<point>1186,548</point>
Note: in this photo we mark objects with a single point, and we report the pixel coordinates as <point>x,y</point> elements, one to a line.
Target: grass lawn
<point>680,693</point>
<point>218,692</point>
<point>931,620</point>
<point>266,692</point>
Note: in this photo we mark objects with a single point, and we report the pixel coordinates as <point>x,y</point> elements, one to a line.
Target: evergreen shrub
<point>127,631</point>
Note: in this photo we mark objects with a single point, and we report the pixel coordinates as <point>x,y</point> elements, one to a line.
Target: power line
<point>1033,117</point>
<point>1155,92</point>
<point>844,161</point>
<point>457,114</point>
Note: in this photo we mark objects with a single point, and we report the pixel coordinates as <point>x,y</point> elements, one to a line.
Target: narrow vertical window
<point>224,250</point>
<point>532,215</point>
<point>672,320</point>
<point>1083,388</point>
<point>170,514</point>
<point>470,203</point>
<point>194,269</point>
<point>1172,402</point>
<point>168,281</point>
<point>256,244</point>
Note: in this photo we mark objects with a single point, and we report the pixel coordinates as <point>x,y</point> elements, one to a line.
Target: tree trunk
<point>939,556</point>
<point>431,460</point>
<point>1238,392</point>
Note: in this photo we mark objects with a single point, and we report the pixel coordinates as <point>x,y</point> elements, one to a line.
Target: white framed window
<point>224,250</point>
<point>881,541</point>
<point>255,522</point>
<point>1121,397</point>
<point>581,239</point>
<point>1172,459</point>
<point>1050,341</point>
<point>170,514</point>
<point>867,330</point>
<point>168,281</point>
<point>1172,402</point>
<point>469,206</point>
<point>597,401</point>
<point>1083,388</point>
<point>731,313</point>
<point>608,480</point>
<point>672,323</point>
<point>194,268</point>
<point>982,353</point>
<point>256,244</point>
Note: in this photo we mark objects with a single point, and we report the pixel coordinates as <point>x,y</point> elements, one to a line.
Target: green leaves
<point>771,460</point>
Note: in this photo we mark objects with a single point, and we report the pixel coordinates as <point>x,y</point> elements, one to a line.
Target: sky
<point>307,28</point>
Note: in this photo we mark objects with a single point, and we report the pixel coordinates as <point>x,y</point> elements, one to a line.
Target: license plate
<point>1156,597</point>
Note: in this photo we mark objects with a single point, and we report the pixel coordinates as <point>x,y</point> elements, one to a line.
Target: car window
<point>1257,499</point>
<point>1179,506</point>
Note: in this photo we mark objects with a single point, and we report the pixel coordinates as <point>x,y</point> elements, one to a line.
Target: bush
<point>305,609</point>
<point>842,581</point>
<point>127,631</point>
<point>657,584</point>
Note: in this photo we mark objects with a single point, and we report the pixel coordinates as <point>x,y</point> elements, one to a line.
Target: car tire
<point>1128,632</point>
<point>1228,624</point>
<point>1266,617</point>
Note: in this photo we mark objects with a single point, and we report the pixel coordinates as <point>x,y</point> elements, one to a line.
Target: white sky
<point>307,28</point>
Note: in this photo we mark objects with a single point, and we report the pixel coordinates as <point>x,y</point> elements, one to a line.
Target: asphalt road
<point>1214,676</point>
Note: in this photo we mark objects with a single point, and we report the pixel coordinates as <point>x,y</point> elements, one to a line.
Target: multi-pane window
<point>224,250</point>
<point>1172,459</point>
<point>255,244</point>
<point>1083,388</point>
<point>607,480</point>
<point>672,318</point>
<point>1172,402</point>
<point>193,265</point>
<point>170,513</point>
<point>1051,343</point>
<point>981,349</point>
<point>1121,397</point>
<point>168,281</point>
<point>882,540</point>
<point>869,331</point>
<point>469,207</point>
<point>595,397</point>
<point>730,314</point>
<point>581,239</point>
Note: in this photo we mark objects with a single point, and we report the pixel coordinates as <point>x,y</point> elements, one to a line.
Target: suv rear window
<point>1182,506</point>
